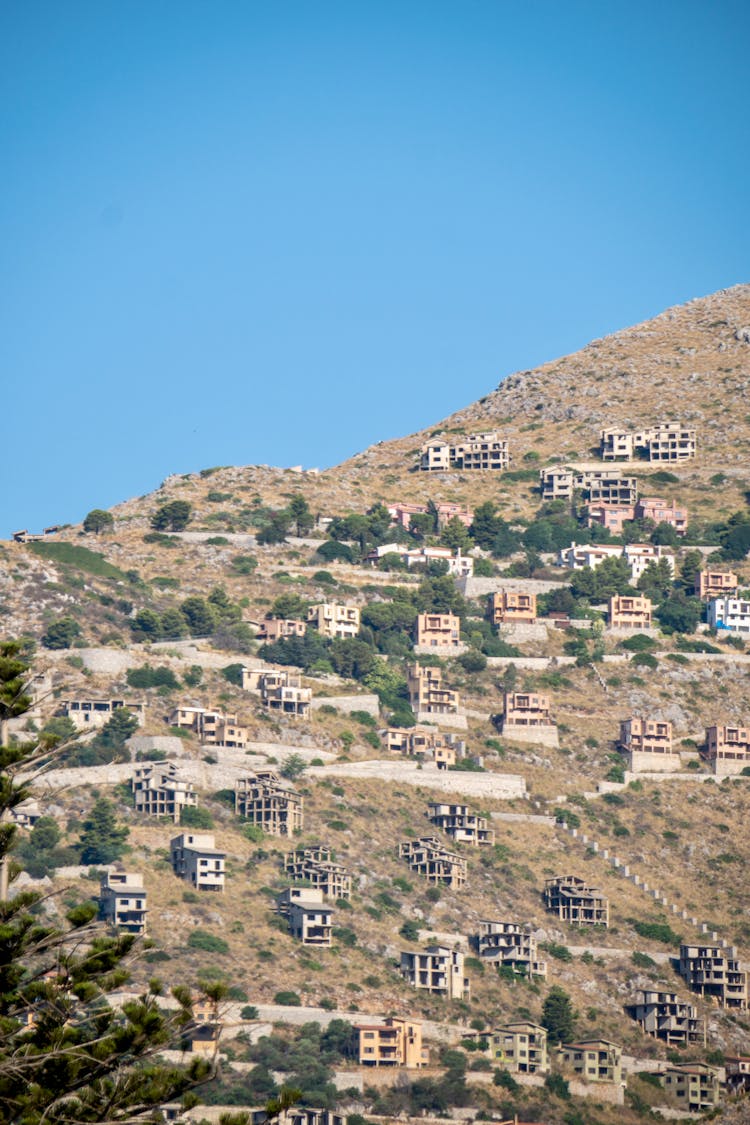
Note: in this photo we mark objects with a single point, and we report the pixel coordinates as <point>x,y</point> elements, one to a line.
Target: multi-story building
<point>695,1086</point>
<point>280,690</point>
<point>438,630</point>
<point>578,556</point>
<point>475,452</point>
<point>333,620</point>
<point>665,1016</point>
<point>269,801</point>
<point>595,483</point>
<point>212,727</point>
<point>310,920</point>
<point>315,866</point>
<point>715,971</point>
<point>648,744</point>
<point>668,441</point>
<point>627,612</point>
<point>277,628</point>
<point>395,1042</point>
<point>197,861</point>
<point>460,824</point>
<point>159,790</point>
<point>729,614</point>
<point>428,742</point>
<point>575,902</point>
<point>520,1047</point>
<point>641,555</point>
<point>427,695</point>
<point>401,514</point>
<point>438,970</point>
<point>204,1030</point>
<point>511,607</point>
<point>737,1069</point>
<point>593,1060</point>
<point>122,901</point>
<point>430,859</point>
<point>728,748</point>
<point>662,511</point>
<point>89,713</point>
<point>459,566</point>
<point>712,583</point>
<point>509,945</point>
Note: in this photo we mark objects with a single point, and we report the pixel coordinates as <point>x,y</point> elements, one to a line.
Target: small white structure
<point>122,901</point>
<point>197,861</point>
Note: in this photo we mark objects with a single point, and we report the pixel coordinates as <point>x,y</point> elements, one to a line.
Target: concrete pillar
<point>605,853</point>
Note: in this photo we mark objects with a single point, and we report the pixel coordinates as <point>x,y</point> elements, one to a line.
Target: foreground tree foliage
<point>67,1056</point>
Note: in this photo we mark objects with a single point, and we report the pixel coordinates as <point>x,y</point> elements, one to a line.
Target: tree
<point>558,1016</point>
<point>293,767</point>
<point>455,535</point>
<point>274,531</point>
<point>332,551</point>
<point>102,841</point>
<point>98,520</point>
<point>289,607</point>
<point>300,514</point>
<point>680,613</point>
<point>174,516</point>
<point>67,1056</point>
<point>200,616</point>
<point>62,633</point>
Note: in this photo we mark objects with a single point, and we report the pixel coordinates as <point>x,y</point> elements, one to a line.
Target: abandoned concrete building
<point>269,801</point>
<point>512,607</point>
<point>716,972</point>
<point>520,1047</point>
<point>310,920</point>
<point>475,452</point>
<point>212,727</point>
<point>460,824</point>
<point>575,902</point>
<point>596,484</point>
<point>89,713</point>
<point>280,690</point>
<point>593,1060</point>
<point>430,859</point>
<point>438,970</point>
<point>315,866</point>
<point>511,946</point>
<point>160,790</point>
<point>426,742</point>
<point>122,901</point>
<point>668,441</point>
<point>665,1016</point>
<point>395,1042</point>
<point>196,860</point>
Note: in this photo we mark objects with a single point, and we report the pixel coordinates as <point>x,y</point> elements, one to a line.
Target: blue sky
<point>237,233</point>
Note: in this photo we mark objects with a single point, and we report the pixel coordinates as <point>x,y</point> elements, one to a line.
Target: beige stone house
<point>277,628</point>
<point>593,1060</point>
<point>334,620</point>
<point>438,630</point>
<point>430,859</point>
<point>197,861</point>
<point>395,1042</point>
<point>715,971</point>
<point>648,744</point>
<point>123,902</point>
<point>575,902</point>
<point>665,1016</point>
<point>441,747</point>
<point>427,695</point>
<point>512,607</point>
<point>438,970</point>
<point>460,824</point>
<point>509,945</point>
<point>159,790</point>
<point>627,612</point>
<point>527,718</point>
<point>269,801</point>
<point>714,583</point>
<point>728,749</point>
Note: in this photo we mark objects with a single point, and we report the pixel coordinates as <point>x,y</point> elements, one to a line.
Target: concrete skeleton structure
<point>196,860</point>
<point>509,945</point>
<point>420,741</point>
<point>438,970</point>
<point>270,802</point>
<point>92,713</point>
<point>474,452</point>
<point>315,866</point>
<point>460,824</point>
<point>716,972</point>
<point>160,790</point>
<point>280,690</point>
<point>667,441</point>
<point>596,484</point>
<point>123,901</point>
<point>665,1016</point>
<point>213,728</point>
<point>714,583</point>
<point>429,858</point>
<point>575,902</point>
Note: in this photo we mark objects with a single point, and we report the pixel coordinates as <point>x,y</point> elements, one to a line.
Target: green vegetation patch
<point>80,557</point>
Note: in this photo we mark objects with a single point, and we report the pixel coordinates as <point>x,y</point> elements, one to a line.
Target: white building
<point>197,861</point>
<point>731,614</point>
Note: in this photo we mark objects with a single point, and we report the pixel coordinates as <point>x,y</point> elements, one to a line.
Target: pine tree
<point>558,1016</point>
<point>68,1057</point>
<point>102,841</point>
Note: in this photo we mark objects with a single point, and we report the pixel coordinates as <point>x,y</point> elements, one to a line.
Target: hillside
<point>135,597</point>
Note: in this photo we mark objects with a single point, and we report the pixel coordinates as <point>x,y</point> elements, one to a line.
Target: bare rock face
<point>743,335</point>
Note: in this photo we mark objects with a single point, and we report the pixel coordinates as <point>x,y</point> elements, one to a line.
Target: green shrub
<point>209,943</point>
<point>656,931</point>
<point>249,1012</point>
<point>192,817</point>
<point>287,999</point>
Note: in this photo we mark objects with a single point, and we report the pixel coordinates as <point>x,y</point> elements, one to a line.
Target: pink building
<point>661,511</point>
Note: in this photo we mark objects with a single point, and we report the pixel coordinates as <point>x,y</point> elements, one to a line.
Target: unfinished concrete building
<point>395,1042</point>
<point>427,742</point>
<point>269,801</point>
<point>122,901</point>
<point>160,790</point>
<point>520,1047</point>
<point>196,860</point>
<point>596,484</point>
<point>665,1016</point>
<point>475,452</point>
<point>460,824</point>
<point>280,690</point>
<point>575,902</point>
<point>438,970</point>
<point>667,441</point>
<point>92,714</point>
<point>593,1060</point>
<point>648,745</point>
<point>511,946</point>
<point>715,971</point>
<point>430,859</point>
<point>213,728</point>
<point>315,866</point>
<point>512,607</point>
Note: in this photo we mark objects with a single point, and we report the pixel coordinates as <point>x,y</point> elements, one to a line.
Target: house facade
<point>438,630</point>
<point>729,614</point>
<point>511,607</point>
<point>695,1086</point>
<point>593,1060</point>
<point>123,902</point>
<point>438,970</point>
<point>627,612</point>
<point>711,583</point>
<point>575,902</point>
<point>213,728</point>
<point>427,694</point>
<point>270,802</point>
<point>520,1047</point>
<point>196,860</point>
<point>334,620</point>
<point>278,628</point>
<point>433,745</point>
<point>728,748</point>
<point>648,744</point>
<point>395,1042</point>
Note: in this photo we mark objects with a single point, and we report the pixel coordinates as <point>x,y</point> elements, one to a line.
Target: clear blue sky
<point>239,232</point>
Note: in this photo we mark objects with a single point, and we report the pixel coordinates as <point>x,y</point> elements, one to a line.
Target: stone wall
<point>348,703</point>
